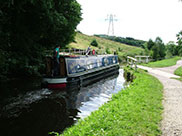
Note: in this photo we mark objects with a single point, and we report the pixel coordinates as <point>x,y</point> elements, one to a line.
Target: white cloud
<point>140,19</point>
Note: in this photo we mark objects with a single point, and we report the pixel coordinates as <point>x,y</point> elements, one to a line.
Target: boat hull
<point>79,81</point>
<point>81,71</point>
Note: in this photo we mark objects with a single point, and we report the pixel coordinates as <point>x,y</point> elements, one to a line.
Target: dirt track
<point>171,124</point>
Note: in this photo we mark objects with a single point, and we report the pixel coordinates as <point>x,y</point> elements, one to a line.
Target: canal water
<point>35,112</point>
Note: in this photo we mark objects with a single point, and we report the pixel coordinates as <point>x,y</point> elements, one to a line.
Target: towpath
<point>171,124</point>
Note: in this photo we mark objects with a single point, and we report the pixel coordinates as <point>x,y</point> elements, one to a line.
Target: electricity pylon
<point>111,23</point>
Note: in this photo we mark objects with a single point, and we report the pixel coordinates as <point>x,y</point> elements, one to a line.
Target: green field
<point>83,41</point>
<point>163,63</point>
<point>135,111</point>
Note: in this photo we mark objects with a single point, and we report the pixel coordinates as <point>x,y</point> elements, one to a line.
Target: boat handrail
<point>74,51</point>
<point>80,52</point>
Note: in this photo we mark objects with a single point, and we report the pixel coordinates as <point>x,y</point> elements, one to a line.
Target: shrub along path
<point>171,124</point>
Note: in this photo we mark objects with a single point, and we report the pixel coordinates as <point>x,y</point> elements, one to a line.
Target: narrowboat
<point>79,70</point>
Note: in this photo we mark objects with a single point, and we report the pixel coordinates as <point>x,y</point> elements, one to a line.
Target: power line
<point>111,19</point>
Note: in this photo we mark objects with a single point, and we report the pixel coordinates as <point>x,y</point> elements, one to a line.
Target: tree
<point>179,41</point>
<point>179,38</point>
<point>170,49</point>
<point>155,52</point>
<point>158,48</point>
<point>147,51</point>
<point>161,46</point>
<point>150,44</point>
<point>28,27</point>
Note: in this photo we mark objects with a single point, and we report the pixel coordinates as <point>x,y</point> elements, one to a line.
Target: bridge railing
<point>143,59</point>
<point>132,62</point>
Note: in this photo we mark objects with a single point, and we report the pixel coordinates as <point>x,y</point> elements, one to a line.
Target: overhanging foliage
<point>28,27</point>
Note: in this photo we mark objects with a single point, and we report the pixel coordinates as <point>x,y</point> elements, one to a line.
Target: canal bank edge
<point>135,110</point>
<point>129,74</point>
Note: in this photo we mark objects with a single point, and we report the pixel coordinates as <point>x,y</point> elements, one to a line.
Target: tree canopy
<point>128,40</point>
<point>156,48</point>
<point>179,41</point>
<point>150,44</point>
<point>27,27</point>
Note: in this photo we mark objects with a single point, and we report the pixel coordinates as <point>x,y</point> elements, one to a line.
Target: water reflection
<point>41,111</point>
<point>92,97</point>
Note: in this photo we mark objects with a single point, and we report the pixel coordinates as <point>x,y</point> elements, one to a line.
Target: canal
<point>35,111</point>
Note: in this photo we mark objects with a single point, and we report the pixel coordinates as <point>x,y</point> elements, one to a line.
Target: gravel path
<point>171,124</point>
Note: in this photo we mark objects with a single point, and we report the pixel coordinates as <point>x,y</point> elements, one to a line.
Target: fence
<point>132,62</point>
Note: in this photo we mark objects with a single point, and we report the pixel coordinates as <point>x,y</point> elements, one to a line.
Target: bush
<point>94,43</point>
<point>108,51</point>
<point>120,49</point>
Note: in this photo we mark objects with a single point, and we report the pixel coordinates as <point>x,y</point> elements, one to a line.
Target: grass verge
<point>178,71</point>
<point>163,63</point>
<point>180,79</point>
<point>133,111</point>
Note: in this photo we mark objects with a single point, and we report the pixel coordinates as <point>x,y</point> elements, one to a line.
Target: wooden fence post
<point>133,62</point>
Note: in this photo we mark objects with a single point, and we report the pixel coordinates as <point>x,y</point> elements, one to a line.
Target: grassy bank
<point>164,63</point>
<point>82,41</point>
<point>133,111</point>
<point>178,71</point>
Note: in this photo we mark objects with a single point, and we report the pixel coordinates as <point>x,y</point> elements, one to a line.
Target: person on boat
<point>88,50</point>
<point>56,60</point>
<point>93,52</point>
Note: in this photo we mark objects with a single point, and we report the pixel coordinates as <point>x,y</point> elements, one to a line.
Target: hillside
<point>82,41</point>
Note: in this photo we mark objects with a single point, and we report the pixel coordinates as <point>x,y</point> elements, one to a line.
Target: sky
<point>140,19</point>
